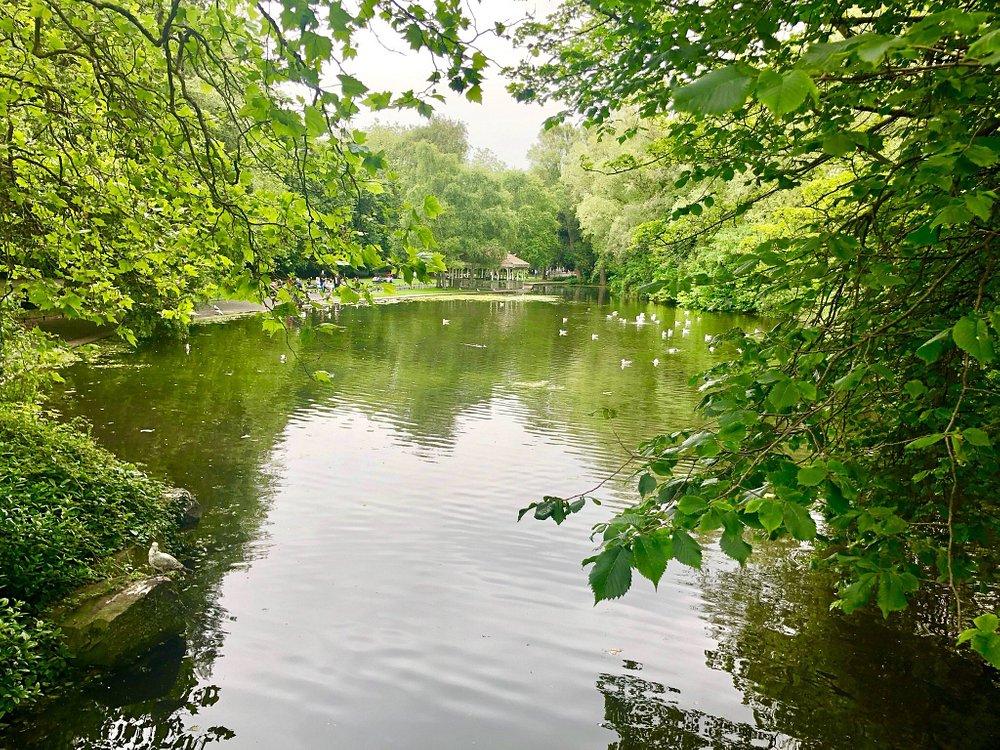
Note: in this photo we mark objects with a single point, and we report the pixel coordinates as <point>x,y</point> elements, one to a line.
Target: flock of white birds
<point>641,320</point>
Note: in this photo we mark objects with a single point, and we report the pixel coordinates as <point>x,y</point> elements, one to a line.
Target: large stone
<point>188,509</point>
<point>114,623</point>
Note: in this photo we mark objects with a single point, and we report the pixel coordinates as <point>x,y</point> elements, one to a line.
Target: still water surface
<point>360,580</point>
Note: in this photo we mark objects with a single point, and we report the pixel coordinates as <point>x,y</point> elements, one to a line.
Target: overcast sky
<point>500,124</point>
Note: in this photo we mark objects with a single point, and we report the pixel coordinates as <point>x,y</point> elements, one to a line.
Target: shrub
<point>30,653</point>
<point>65,503</point>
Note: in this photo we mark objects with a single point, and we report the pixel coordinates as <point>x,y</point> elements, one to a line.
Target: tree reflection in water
<point>646,717</point>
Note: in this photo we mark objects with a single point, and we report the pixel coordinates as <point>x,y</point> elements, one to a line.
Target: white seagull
<point>672,350</point>
<point>445,322</point>
<point>656,362</point>
<point>708,338</point>
<point>563,331</point>
<point>565,320</point>
<point>711,349</point>
<point>282,359</point>
<point>593,337</point>
<point>685,331</point>
<point>161,561</point>
<point>626,363</point>
<point>670,333</point>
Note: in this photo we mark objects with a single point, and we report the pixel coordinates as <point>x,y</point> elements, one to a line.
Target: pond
<point>360,580</point>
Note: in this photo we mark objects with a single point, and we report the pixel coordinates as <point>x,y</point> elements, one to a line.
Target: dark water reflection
<point>360,581</point>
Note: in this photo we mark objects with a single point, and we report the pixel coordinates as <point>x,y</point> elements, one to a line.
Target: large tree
<point>149,147</point>
<point>873,404</point>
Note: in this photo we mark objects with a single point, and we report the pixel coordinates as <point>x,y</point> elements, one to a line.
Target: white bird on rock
<point>161,561</point>
<point>563,331</point>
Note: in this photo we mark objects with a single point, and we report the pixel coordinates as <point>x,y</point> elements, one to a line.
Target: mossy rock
<point>112,623</point>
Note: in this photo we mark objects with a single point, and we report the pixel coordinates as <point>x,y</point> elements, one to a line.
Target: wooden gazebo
<point>511,268</point>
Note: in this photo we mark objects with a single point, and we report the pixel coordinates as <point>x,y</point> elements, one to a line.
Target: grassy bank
<point>66,505</point>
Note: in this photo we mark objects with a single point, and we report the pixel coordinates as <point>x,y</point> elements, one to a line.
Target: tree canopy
<point>149,148</point>
<point>485,208</point>
<point>863,422</point>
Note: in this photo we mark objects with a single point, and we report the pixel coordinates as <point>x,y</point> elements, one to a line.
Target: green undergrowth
<point>66,506</point>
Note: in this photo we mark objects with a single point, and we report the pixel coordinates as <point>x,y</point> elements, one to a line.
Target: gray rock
<point>111,623</point>
<point>188,509</point>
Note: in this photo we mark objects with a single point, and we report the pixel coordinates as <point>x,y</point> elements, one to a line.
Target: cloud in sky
<point>500,124</point>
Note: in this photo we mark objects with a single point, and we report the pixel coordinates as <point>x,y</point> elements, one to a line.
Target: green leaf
<point>770,514</point>
<point>647,484</point>
<point>691,505</point>
<point>986,47</point>
<point>650,554</point>
<point>715,92</point>
<point>432,207</point>
<point>782,94</point>
<point>838,144</point>
<point>810,476</point>
<point>924,442</point>
<point>798,522</point>
<point>611,575</point>
<point>977,437</point>
<point>972,335</point>
<point>351,86</point>
<point>784,394</point>
<point>687,551</point>
<point>930,351</point>
<point>891,595</point>
<point>733,544</point>
<point>987,623</point>
<point>315,121</point>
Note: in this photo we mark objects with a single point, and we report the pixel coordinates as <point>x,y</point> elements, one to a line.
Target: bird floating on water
<point>187,348</point>
<point>640,319</point>
<point>708,338</point>
<point>161,561</point>
<point>663,334</point>
<point>593,337</point>
<point>670,333</point>
<point>565,320</point>
<point>672,350</point>
<point>677,324</point>
<point>711,349</point>
<point>626,363</point>
<point>609,316</point>
<point>656,362</point>
<point>685,331</point>
<point>445,322</point>
<point>282,359</point>
<point>563,331</point>
<point>614,314</point>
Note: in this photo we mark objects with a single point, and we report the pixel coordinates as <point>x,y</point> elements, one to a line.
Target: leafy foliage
<point>30,654</point>
<point>65,504</point>
<point>482,211</point>
<point>151,150</point>
<point>863,421</point>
